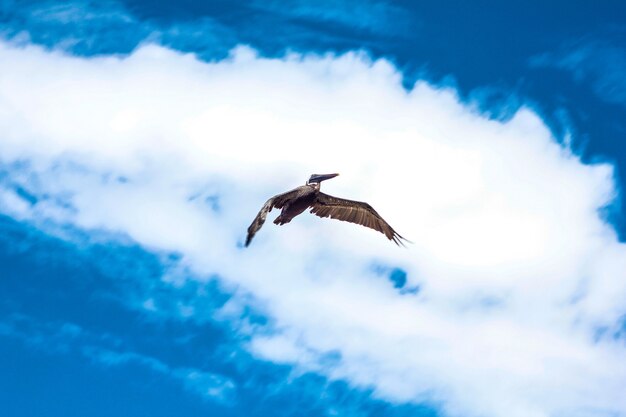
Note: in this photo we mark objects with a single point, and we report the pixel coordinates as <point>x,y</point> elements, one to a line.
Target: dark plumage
<point>296,201</point>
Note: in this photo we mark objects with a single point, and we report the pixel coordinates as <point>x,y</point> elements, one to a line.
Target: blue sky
<point>138,139</point>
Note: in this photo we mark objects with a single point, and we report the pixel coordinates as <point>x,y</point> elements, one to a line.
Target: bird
<point>308,196</point>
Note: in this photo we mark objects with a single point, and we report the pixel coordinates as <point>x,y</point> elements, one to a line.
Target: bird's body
<point>295,202</point>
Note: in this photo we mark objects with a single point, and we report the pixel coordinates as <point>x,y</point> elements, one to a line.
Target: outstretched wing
<point>354,212</point>
<point>278,201</point>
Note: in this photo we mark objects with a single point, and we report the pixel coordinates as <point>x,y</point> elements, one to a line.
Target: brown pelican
<point>296,201</point>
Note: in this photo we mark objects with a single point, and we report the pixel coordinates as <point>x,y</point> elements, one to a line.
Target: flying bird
<point>296,201</point>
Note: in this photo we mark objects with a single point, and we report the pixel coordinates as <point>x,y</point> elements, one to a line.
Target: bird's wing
<point>354,212</point>
<point>278,201</point>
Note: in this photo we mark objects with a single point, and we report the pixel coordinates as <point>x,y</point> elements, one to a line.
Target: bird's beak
<point>320,178</point>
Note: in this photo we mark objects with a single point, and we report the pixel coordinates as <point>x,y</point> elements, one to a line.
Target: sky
<point>138,140</point>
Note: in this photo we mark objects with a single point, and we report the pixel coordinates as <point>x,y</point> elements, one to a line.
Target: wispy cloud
<point>602,64</point>
<point>85,28</point>
<point>209,30</point>
<point>381,17</point>
<point>106,350</point>
<point>206,384</point>
<point>96,28</point>
<point>514,269</point>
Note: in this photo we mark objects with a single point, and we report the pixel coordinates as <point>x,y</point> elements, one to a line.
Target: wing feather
<point>278,201</point>
<point>356,212</point>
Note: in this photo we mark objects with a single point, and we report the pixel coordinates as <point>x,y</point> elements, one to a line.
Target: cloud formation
<point>514,286</point>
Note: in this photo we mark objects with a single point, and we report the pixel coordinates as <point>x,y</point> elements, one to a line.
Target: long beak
<point>320,178</point>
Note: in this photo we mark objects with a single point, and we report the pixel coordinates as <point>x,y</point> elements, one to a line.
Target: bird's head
<point>317,178</point>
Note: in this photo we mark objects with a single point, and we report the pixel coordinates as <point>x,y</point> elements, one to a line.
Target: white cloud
<point>12,204</point>
<point>517,272</point>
